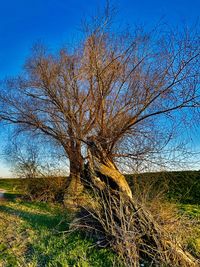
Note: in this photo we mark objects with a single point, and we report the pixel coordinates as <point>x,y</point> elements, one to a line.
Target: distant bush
<point>185,187</point>
<point>181,186</point>
<point>49,189</point>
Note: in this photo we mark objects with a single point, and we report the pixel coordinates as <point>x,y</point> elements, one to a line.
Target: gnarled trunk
<point>104,171</point>
<point>107,174</point>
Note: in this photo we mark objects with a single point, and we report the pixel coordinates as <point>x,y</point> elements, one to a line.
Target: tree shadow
<point>11,196</point>
<point>36,220</point>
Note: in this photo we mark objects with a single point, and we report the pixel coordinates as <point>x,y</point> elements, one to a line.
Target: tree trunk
<point>74,186</point>
<point>107,173</point>
<point>104,171</point>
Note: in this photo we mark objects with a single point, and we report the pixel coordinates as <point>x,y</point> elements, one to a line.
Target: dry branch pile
<point>131,230</point>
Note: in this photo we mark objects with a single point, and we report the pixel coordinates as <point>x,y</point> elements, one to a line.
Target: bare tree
<point>30,157</point>
<point>113,89</point>
<point>25,162</point>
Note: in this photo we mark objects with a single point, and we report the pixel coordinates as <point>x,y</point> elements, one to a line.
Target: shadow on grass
<point>11,196</point>
<point>36,220</point>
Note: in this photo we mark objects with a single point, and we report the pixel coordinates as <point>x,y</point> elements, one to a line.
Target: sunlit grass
<point>32,235</point>
<point>191,210</point>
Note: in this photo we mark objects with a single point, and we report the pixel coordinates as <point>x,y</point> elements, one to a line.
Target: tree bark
<point>104,171</point>
<point>107,173</point>
<point>75,185</point>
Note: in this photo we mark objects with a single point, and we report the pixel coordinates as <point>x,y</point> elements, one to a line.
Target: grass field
<point>35,234</point>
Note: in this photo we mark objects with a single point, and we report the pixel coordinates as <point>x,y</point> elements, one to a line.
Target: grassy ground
<point>37,234</point>
<point>193,212</point>
<point>11,185</point>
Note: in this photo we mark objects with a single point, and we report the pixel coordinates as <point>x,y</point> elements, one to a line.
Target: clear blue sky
<point>54,22</point>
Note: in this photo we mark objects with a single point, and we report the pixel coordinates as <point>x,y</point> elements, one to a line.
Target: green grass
<point>36,234</point>
<point>192,211</point>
